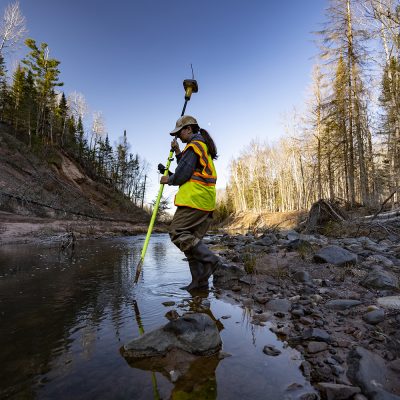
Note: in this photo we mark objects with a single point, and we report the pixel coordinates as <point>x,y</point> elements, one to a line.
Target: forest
<point>345,143</point>
<point>43,117</point>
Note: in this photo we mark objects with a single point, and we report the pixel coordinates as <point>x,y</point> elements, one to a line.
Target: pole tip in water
<point>138,270</point>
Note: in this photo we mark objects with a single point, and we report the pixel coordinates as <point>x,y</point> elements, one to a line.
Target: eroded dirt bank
<point>16,228</point>
<point>46,192</point>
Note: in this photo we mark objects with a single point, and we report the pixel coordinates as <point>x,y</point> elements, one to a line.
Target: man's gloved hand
<point>161,169</point>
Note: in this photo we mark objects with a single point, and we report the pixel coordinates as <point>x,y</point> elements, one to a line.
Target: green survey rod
<point>153,219</point>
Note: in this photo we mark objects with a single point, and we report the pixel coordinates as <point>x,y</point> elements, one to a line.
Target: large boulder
<point>368,371</point>
<point>335,255</point>
<point>196,334</point>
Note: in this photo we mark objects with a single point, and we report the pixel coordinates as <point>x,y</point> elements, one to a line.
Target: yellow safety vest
<point>199,191</point>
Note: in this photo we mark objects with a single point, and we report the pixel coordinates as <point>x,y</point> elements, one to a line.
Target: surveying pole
<point>190,86</point>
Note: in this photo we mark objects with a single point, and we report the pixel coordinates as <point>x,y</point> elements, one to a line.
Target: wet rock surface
<point>335,300</point>
<point>195,334</point>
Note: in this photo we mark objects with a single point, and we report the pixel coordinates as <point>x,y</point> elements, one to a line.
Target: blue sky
<point>252,59</point>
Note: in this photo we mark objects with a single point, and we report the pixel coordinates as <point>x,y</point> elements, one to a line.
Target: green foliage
<point>3,87</point>
<point>45,70</point>
<point>45,75</point>
<point>304,249</point>
<point>249,262</point>
<point>162,214</point>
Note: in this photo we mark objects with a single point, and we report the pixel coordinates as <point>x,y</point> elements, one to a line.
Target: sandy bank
<point>16,228</point>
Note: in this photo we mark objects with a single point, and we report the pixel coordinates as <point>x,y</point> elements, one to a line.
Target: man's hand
<point>164,179</point>
<point>161,168</point>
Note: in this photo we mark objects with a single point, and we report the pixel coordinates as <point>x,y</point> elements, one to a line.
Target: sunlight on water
<point>64,320</point>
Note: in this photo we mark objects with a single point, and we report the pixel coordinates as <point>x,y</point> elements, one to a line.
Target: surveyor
<point>195,201</point>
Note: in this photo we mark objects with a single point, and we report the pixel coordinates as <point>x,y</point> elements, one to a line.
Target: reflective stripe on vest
<point>199,191</point>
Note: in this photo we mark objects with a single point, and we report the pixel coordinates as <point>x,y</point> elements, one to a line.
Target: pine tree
<point>61,119</point>
<point>18,98</point>
<point>108,157</point>
<point>45,74</point>
<point>82,143</point>
<point>30,100</point>
<point>70,140</point>
<point>343,46</point>
<point>3,89</point>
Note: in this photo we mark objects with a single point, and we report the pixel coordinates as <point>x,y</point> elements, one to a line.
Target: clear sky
<point>252,60</point>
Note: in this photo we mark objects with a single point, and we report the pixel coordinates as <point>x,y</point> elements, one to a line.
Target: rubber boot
<point>197,272</point>
<point>209,260</point>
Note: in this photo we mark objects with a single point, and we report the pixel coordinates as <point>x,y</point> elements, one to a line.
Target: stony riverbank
<point>335,300</point>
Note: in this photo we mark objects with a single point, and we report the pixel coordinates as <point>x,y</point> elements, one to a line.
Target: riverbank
<point>334,300</point>
<point>16,228</point>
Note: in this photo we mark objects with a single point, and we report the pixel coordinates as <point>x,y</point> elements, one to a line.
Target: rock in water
<point>271,350</point>
<point>193,333</point>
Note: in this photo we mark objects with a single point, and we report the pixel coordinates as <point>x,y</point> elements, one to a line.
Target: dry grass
<point>266,221</point>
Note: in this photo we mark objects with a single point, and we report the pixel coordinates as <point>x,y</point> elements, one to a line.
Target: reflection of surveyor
<point>199,382</point>
<point>196,177</point>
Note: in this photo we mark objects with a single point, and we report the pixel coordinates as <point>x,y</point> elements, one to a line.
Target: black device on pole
<point>190,86</point>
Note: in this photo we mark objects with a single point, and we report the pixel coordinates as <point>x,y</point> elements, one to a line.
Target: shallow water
<point>63,321</point>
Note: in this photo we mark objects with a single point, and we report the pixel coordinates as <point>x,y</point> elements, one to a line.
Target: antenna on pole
<point>191,66</point>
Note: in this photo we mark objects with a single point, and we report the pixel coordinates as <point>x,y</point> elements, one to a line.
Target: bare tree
<point>77,108</point>
<point>98,129</point>
<point>77,105</point>
<point>12,27</point>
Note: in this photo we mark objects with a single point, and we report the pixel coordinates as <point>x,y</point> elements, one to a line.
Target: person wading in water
<point>195,201</point>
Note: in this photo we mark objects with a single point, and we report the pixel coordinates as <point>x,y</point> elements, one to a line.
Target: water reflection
<point>193,377</point>
<point>197,380</point>
<point>63,321</point>
<point>138,317</point>
<point>160,254</point>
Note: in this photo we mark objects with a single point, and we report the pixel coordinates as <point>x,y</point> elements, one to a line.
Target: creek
<point>64,319</point>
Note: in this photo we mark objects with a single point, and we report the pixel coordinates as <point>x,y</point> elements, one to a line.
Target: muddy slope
<point>50,184</point>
